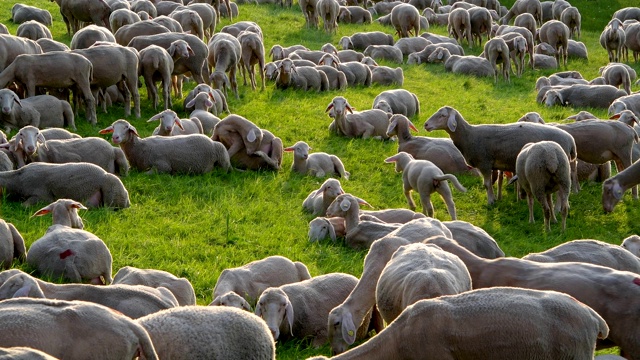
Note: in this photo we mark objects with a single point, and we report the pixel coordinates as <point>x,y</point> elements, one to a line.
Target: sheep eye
<point>336,324</point>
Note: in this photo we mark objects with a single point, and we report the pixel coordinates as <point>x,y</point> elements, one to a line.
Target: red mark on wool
<point>66,253</point>
<point>636,281</point>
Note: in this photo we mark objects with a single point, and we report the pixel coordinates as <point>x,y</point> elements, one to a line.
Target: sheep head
<point>231,299</point>
<point>300,150</point>
<point>64,212</point>
<point>320,228</point>
<point>341,329</point>
<point>274,307</point>
<point>612,193</point>
<point>27,140</point>
<point>401,159</point>
<point>8,99</point>
<point>446,118</point>
<point>168,118</point>
<point>339,104</point>
<point>122,131</point>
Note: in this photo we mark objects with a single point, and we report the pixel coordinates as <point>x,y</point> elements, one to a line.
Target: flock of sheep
<point>426,284</point>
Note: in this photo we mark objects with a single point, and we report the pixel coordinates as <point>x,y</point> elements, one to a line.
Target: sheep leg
<point>530,205</point>
<point>407,194</point>
<point>550,206</point>
<point>152,92</point>
<point>445,192</point>
<point>166,91</point>
<point>234,82</point>
<point>127,97</point>
<point>427,205</point>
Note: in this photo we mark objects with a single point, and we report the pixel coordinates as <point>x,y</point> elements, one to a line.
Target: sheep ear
<point>329,107</point>
<point>245,305</point>
<point>178,122</point>
<point>190,50</point>
<point>348,329</point>
<point>156,117</point>
<point>391,159</point>
<point>332,231</point>
<point>288,311</point>
<point>133,130</point>
<point>251,136</point>
<point>392,125</point>
<point>614,116</point>
<point>209,102</point>
<point>452,123</point>
<point>349,108</point>
<point>77,205</point>
<point>44,211</point>
<point>40,138</point>
<point>16,99</point>
<point>345,205</point>
<point>23,291</point>
<point>107,130</point>
<point>412,127</point>
<point>190,103</point>
<point>288,149</point>
<point>258,311</point>
<point>363,202</point>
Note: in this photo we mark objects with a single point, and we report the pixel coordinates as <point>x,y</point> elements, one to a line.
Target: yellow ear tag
<point>350,332</point>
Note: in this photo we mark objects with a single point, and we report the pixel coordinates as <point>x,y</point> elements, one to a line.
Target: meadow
<point>196,226</point>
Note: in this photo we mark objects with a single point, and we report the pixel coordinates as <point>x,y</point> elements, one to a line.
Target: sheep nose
<point>305,156</point>
<point>275,333</point>
<point>6,110</point>
<point>30,149</point>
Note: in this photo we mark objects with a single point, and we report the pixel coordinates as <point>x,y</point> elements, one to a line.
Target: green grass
<point>196,226</point>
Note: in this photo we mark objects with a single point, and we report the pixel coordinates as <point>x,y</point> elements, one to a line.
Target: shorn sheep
<point>365,124</point>
<point>319,200</point>
<point>318,164</point>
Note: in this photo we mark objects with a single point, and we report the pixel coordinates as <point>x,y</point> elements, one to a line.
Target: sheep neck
<point>351,218</point>
<point>404,134</point>
<point>300,165</point>
<point>134,145</point>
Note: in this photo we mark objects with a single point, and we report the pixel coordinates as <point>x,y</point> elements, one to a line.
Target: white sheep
<point>319,200</point>
<point>415,272</point>
<point>613,188</point>
<point>200,332</point>
<point>398,101</point>
<point>168,118</point>
<point>613,38</point>
<point>469,65</point>
<point>201,103</point>
<point>369,123</point>
<point>497,52</point>
<point>541,169</point>
<point>181,288</point>
<point>632,244</point>
<point>250,280</point>
<point>11,246</point>
<point>301,309</point>
<point>194,153</point>
<point>319,164</point>
<point>24,353</point>
<point>474,238</point>
<point>322,227</point>
<point>425,177</point>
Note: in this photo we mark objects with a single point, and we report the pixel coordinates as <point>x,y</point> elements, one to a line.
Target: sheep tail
<point>453,179</point>
<point>552,164</point>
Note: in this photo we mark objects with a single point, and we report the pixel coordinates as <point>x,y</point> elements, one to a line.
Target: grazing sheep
<point>21,13</point>
<point>405,18</point>
<point>571,17</point>
<point>424,177</point>
<point>168,122</point>
<point>250,280</point>
<point>416,272</point>
<point>322,227</point>
<point>613,188</point>
<point>319,200</point>
<point>132,301</point>
<point>541,169</point>
<point>192,154</point>
<point>360,40</point>
<point>398,101</point>
<point>556,34</point>
<point>612,39</point>
<point>181,288</point>
<point>460,25</point>
<point>67,329</point>
<point>532,7</point>
<point>469,65</point>
<point>387,76</point>
<point>304,78</point>
<point>506,141</point>
<point>369,123</point>
<point>591,252</point>
<point>33,30</point>
<point>474,238</point>
<point>82,182</point>
<point>579,95</point>
<point>209,332</point>
<point>252,54</point>
<point>617,75</point>
<point>319,164</point>
<point>301,309</point>
<point>420,57</point>
<point>445,328</point>
<point>354,15</point>
<point>481,21</point>
<point>12,246</point>
<point>497,52</point>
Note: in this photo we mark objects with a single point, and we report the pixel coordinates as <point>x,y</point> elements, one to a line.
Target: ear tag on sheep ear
<point>351,333</point>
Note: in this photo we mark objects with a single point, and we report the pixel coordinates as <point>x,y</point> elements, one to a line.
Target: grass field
<point>196,226</point>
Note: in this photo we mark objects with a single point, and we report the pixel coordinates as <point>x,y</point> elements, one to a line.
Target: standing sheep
<point>318,164</point>
<point>405,18</point>
<point>556,34</point>
<point>424,177</point>
<point>252,54</point>
<point>571,17</point>
<point>460,25</point>
<point>497,52</point>
<point>225,53</point>
<point>613,39</point>
<point>543,168</point>
<point>328,10</point>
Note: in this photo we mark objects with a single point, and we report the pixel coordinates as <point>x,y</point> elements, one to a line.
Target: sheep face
<point>532,117</point>
<point>339,105</point>
<point>444,118</point>
<point>231,299</point>
<point>612,193</point>
<point>180,49</point>
<point>7,100</point>
<point>616,107</point>
<point>320,229</point>
<point>270,71</point>
<point>274,306</point>
<point>632,244</point>
<point>552,98</point>
<point>28,138</point>
<point>413,59</point>
<point>122,131</point>
<point>331,188</point>
<point>341,330</point>
<point>300,150</point>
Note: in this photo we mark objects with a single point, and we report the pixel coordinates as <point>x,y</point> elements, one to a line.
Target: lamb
<point>358,234</point>
<point>250,280</point>
<point>596,96</point>
<point>356,73</point>
<point>219,100</point>
<point>571,17</point>
<point>384,52</point>
<point>497,52</point>
<point>632,244</point>
<point>304,78</point>
<point>460,25</point>
<point>446,327</point>
<point>613,38</point>
<point>30,144</point>
<point>369,123</point>
<point>405,18</point>
<point>181,288</point>
<point>318,164</point>
<point>532,7</point>
<point>617,75</point>
<point>201,103</point>
<point>423,56</point>
<point>322,227</point>
<point>614,187</point>
<point>556,34</point>
<point>319,200</point>
<point>416,272</point>
<point>83,182</point>
<point>132,301</point>
<point>424,177</point>
<point>435,18</point>
<point>12,246</point>
<point>506,141</point>
<point>278,52</point>
<point>543,168</point>
<point>225,52</point>
<point>193,154</point>
<point>208,332</point>
<point>305,306</point>
<point>360,41</point>
<point>67,329</point>
<point>398,101</point>
<point>410,45</point>
<point>470,65</point>
<point>591,252</point>
<point>168,122</point>
<point>474,238</point>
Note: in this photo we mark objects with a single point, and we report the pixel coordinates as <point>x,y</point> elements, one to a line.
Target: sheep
<point>556,34</point>
<point>360,41</point>
<point>497,52</point>
<point>424,177</point>
<point>358,234</point>
<point>591,252</point>
<point>544,62</point>
<point>369,123</point>
<point>33,30</point>
<point>386,76</point>
<point>219,100</point>
<point>53,112</point>
<point>532,7</point>
<point>301,309</point>
<point>398,101</point>
<point>629,102</point>
<point>506,140</point>
<point>435,18</point>
<point>122,17</point>
<point>570,16</point>
<point>12,246</point>
<point>410,45</point>
<point>252,54</point>
<point>577,49</point>
<point>517,45</point>
<point>422,56</point>
<point>21,13</point>
<point>354,15</point>
<point>181,288</point>
<point>322,227</point>
<point>168,121</point>
<point>82,182</point>
<point>250,280</point>
<point>304,78</point>
<point>617,75</point>
<point>405,18</point>
<point>319,200</point>
<point>356,73</point>
<point>202,102</point>
<point>526,20</point>
<point>445,327</point>
<point>384,52</point>
<point>480,19</point>
<point>319,164</point>
<point>193,154</point>
<point>460,25</point>
<point>231,299</point>
<point>582,115</point>
<point>157,63</point>
<point>308,8</point>
<point>311,55</point>
<point>474,238</point>
<point>579,95</point>
<point>225,52</point>
<point>343,55</point>
<point>627,13</point>
<point>528,36</point>
<point>278,52</point>
<point>470,65</point>
<point>613,38</point>
<point>16,116</point>
<point>336,78</point>
<point>614,187</point>
<point>208,332</point>
<point>543,168</point>
<point>415,272</point>
<point>609,296</point>
<point>67,329</point>
<point>632,244</point>
<point>328,10</point>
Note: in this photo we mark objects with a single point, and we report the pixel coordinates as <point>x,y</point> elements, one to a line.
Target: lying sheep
<point>411,44</point>
<point>600,96</point>
<point>474,238</point>
<point>303,78</point>
<point>365,124</point>
<point>40,111</point>
<point>356,73</point>
<point>301,309</point>
<point>386,76</point>
<point>628,102</point>
<point>354,15</point>
<point>201,104</point>
<point>506,140</point>
<point>24,353</point>
<point>613,188</point>
<point>181,288</point>
<point>541,169</point>
<point>384,52</point>
<point>425,178</point>
<point>68,251</point>
<point>219,100</point>
<point>591,252</point>
<point>469,65</point>
<point>360,41</point>
<point>82,182</point>
<point>120,336</point>
<point>21,13</point>
<point>278,52</point>
<point>319,164</point>
<point>208,332</point>
<point>172,125</point>
<point>319,200</point>
<point>173,154</point>
<point>250,280</point>
<point>398,101</point>
<point>416,272</point>
<point>12,246</point>
<point>420,57</point>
